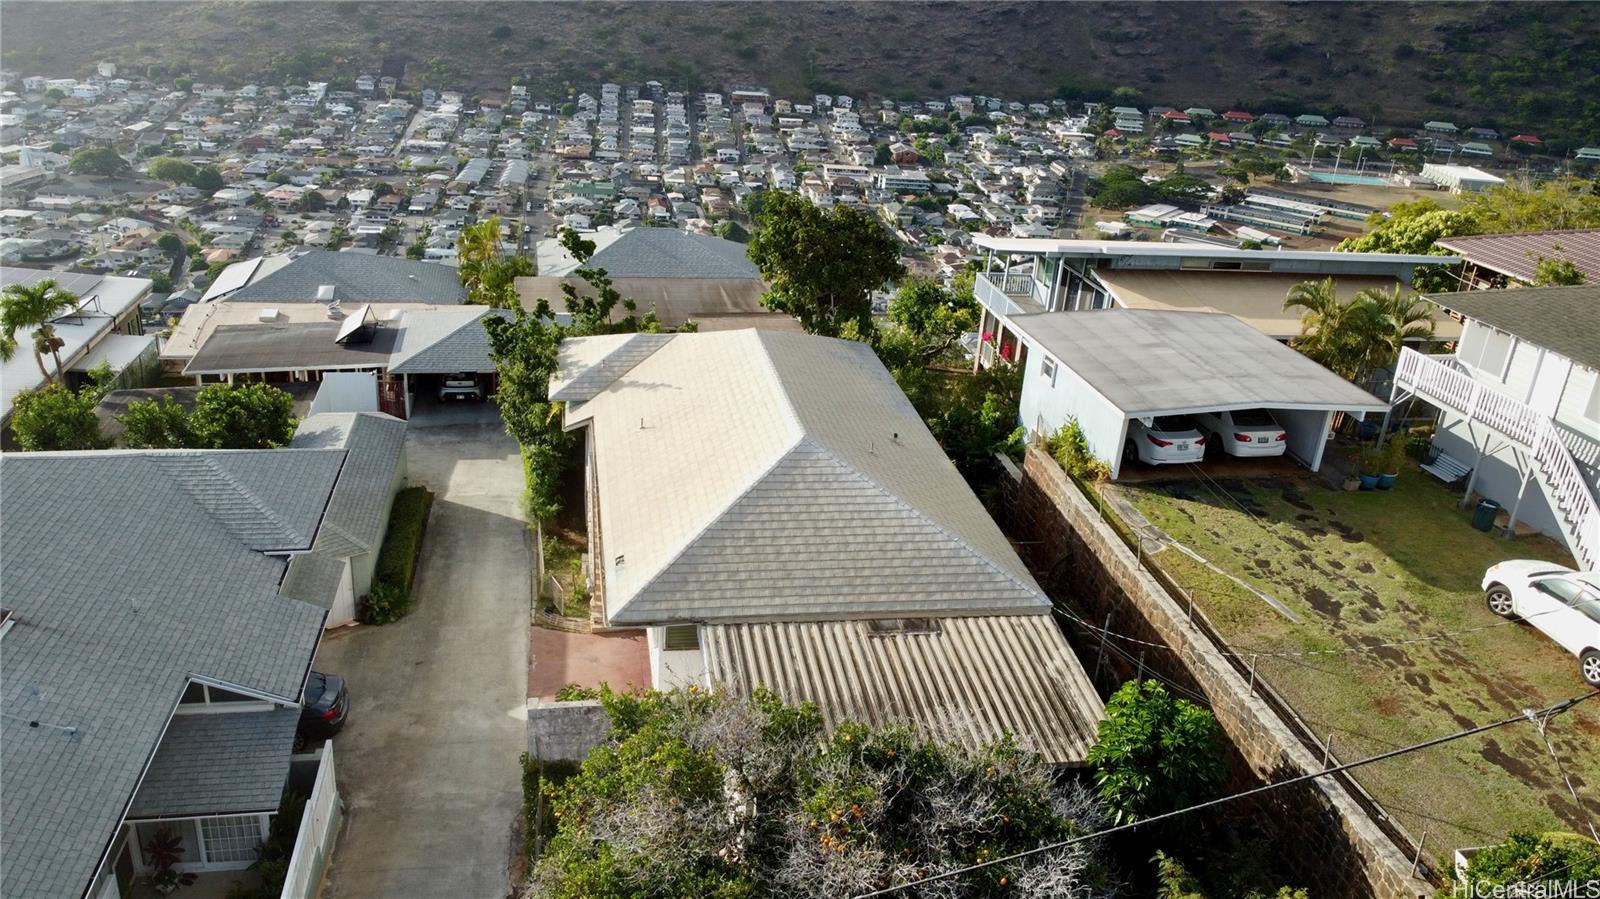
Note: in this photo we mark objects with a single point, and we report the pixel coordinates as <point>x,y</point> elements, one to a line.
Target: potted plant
<point>164,850</point>
<point>1369,465</point>
<point>1392,456</point>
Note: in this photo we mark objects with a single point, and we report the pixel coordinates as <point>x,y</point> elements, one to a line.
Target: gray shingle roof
<point>441,341</point>
<point>1565,320</point>
<point>759,475</point>
<point>128,575</point>
<point>671,253</point>
<point>357,513</point>
<point>356,278</point>
<point>223,763</point>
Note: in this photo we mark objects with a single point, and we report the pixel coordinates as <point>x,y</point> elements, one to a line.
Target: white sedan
<point>1167,440</point>
<point>1563,603</point>
<point>1244,432</point>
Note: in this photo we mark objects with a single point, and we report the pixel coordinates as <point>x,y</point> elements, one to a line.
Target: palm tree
<point>1399,318</point>
<point>35,306</point>
<point>1332,332</point>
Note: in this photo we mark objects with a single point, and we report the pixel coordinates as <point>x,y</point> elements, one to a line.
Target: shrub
<point>1071,450</point>
<point>1527,857</point>
<point>387,602</point>
<point>397,559</point>
<point>575,692</point>
<point>1155,753</point>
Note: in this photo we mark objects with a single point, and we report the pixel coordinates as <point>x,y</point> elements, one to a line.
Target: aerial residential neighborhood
<point>497,464</point>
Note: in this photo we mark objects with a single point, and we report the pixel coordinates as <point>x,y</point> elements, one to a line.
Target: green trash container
<point>1483,516</point>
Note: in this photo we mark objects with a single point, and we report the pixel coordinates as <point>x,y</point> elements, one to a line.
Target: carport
<point>1109,367</point>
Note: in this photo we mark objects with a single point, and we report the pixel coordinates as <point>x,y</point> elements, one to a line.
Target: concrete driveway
<point>428,762</point>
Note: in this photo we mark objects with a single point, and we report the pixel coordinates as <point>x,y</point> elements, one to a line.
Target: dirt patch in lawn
<point>1394,645</point>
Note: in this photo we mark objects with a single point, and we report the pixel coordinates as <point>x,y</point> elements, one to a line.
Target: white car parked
<point>1167,440</point>
<point>1563,603</point>
<point>1244,432</point>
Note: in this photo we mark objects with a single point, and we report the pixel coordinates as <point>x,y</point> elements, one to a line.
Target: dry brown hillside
<point>1474,62</point>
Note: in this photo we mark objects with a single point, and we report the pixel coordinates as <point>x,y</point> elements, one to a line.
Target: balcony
<point>1443,382</point>
<point>1006,293</point>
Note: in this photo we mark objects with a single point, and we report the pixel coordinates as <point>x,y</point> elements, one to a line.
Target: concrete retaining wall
<point>1327,840</point>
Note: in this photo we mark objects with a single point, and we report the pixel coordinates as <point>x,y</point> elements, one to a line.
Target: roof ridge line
<point>248,494</point>
<point>982,556</point>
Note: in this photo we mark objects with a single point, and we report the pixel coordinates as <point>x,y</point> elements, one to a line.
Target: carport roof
<point>1152,362</point>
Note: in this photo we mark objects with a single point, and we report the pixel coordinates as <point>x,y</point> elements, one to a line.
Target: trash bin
<point>1483,516</point>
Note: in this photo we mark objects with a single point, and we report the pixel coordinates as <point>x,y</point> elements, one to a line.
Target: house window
<point>233,839</point>
<point>681,637</point>
<point>1047,368</point>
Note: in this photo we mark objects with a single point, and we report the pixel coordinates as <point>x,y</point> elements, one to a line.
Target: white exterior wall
<point>1045,407</point>
<point>1542,379</point>
<point>1308,433</point>
<point>674,667</point>
<point>343,610</point>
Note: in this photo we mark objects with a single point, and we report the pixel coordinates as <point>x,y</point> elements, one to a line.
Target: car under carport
<point>1109,367</point>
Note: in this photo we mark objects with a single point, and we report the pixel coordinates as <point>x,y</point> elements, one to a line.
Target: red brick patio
<point>557,658</point>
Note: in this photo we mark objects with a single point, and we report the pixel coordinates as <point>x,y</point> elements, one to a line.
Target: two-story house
<point>1519,406</point>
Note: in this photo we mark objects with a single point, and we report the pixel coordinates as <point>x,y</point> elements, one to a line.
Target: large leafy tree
<point>246,416</point>
<point>709,794</point>
<point>1557,205</point>
<point>172,170</point>
<point>822,266</point>
<point>488,274</point>
<point>1155,753</point>
<point>25,307</point>
<point>57,418</point>
<point>103,161</point>
<point>207,178</point>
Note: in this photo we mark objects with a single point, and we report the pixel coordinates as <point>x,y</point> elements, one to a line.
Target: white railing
<point>1001,291</point>
<point>1572,499</point>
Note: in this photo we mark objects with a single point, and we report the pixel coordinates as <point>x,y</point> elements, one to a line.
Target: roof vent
<point>334,310</point>
<point>268,315</point>
<point>325,293</point>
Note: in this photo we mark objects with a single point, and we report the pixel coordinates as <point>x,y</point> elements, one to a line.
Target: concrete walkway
<point>427,763</point>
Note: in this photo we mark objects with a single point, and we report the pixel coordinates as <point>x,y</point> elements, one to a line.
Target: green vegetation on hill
<point>1530,66</point>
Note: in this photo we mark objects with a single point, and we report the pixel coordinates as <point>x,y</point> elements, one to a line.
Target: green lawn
<point>1360,569</point>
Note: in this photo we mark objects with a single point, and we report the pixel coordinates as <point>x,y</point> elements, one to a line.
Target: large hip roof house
<point>771,508</point>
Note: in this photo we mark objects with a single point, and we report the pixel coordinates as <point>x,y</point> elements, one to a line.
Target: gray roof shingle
<point>356,278</point>
<point>671,253</point>
<point>226,763</point>
<point>1565,320</point>
<point>357,513</point>
<point>442,341</point>
<point>129,573</point>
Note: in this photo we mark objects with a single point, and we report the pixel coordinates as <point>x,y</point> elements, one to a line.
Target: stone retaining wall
<point>1328,841</point>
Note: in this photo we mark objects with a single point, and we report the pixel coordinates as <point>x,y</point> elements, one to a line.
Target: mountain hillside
<point>1524,65</point>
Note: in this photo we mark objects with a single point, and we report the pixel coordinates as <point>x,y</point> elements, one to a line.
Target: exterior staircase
<point>1438,381</point>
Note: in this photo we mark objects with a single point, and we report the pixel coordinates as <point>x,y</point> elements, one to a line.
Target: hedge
<point>397,559</point>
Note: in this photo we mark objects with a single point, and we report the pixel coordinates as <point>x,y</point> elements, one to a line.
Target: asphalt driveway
<point>428,763</point>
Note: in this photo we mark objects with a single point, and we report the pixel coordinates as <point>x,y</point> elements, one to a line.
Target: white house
<point>1519,406</point>
<point>815,540</point>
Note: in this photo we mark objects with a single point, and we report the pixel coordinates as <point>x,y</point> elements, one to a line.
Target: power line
<point>1528,714</point>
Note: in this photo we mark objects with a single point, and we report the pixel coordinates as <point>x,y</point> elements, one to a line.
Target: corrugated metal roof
<point>972,681</point>
<point>1517,255</point>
